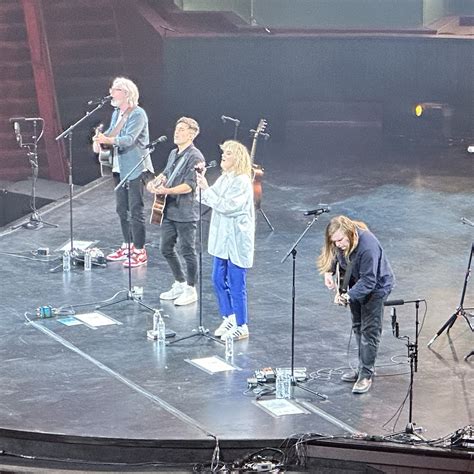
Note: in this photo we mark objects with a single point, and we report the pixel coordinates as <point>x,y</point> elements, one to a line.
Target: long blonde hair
<point>242,163</point>
<point>350,230</point>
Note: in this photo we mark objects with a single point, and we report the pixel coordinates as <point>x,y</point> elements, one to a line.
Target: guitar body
<point>159,203</point>
<point>257,178</point>
<point>105,154</point>
<point>158,209</point>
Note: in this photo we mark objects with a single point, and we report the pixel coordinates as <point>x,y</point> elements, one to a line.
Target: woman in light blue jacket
<point>231,236</point>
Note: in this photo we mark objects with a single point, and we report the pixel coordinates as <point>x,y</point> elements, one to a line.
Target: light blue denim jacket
<point>131,142</point>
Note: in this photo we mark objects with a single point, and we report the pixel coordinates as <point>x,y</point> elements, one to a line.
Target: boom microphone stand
<point>68,134</point>
<point>460,310</point>
<point>124,183</point>
<point>411,428</point>
<point>293,252</point>
<point>201,331</point>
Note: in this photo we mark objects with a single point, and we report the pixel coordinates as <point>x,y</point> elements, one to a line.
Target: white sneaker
<point>227,324</point>
<point>176,290</point>
<point>239,332</point>
<point>188,296</point>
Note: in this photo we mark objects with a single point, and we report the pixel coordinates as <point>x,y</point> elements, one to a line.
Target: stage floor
<point>110,382</point>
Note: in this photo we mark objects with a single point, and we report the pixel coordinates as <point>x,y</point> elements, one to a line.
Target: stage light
<point>418,110</point>
<point>433,119</point>
<point>422,107</point>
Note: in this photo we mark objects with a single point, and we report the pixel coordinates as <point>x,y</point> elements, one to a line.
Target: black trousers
<point>130,208</point>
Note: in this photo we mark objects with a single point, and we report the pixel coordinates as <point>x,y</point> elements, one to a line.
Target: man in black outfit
<point>357,251</point>
<point>181,212</point>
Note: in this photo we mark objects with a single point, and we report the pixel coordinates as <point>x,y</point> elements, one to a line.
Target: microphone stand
<point>293,252</point>
<point>201,331</point>
<point>124,183</point>
<point>35,221</point>
<point>68,133</point>
<point>411,428</point>
<point>236,129</point>
<point>460,310</point>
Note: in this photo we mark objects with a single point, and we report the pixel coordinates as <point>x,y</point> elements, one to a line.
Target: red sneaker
<point>138,258</point>
<point>120,254</point>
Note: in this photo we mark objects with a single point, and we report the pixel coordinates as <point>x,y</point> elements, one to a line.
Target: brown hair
<point>350,230</point>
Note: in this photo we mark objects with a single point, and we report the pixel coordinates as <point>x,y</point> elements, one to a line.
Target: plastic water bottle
<point>283,384</point>
<point>66,261</point>
<point>87,260</point>
<point>229,347</point>
<point>161,331</point>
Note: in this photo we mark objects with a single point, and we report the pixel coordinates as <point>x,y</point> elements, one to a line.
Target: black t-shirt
<point>182,207</point>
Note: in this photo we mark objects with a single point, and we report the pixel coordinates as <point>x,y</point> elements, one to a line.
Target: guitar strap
<point>177,168</point>
<point>119,125</point>
<point>115,131</point>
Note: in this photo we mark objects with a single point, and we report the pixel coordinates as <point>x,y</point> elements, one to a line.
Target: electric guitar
<point>257,170</point>
<point>105,154</point>
<point>339,298</point>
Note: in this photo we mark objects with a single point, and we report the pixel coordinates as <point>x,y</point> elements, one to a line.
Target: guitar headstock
<point>262,125</point>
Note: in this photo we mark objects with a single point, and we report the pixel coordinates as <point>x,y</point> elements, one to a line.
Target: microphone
<point>224,119</point>
<point>161,139</point>
<point>395,327</point>
<point>99,101</point>
<point>25,119</point>
<point>400,302</point>
<point>318,212</point>
<point>211,164</point>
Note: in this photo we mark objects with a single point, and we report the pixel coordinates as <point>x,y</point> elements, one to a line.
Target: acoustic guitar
<point>257,170</point>
<point>159,203</point>
<point>105,154</point>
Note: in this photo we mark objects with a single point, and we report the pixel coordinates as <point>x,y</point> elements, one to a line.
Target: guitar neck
<point>253,150</point>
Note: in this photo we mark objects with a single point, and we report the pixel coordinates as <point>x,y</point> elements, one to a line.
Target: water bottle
<point>87,260</point>
<point>283,384</point>
<point>279,389</point>
<point>229,347</point>
<point>161,331</point>
<point>66,261</point>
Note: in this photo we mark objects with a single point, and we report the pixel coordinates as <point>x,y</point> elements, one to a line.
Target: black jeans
<point>367,320</point>
<point>183,233</point>
<point>129,199</point>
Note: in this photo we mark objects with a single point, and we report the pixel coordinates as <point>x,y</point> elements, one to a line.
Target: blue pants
<point>231,289</point>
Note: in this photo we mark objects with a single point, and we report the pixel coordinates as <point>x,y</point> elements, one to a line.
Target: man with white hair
<point>128,135</point>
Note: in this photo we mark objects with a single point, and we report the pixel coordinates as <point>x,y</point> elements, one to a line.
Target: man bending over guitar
<point>351,245</point>
<point>128,135</point>
<point>177,209</point>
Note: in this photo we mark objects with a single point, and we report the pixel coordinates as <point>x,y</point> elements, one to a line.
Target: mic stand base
<point>201,331</point>
<point>34,223</point>
<point>410,434</point>
<point>294,383</point>
<point>128,297</point>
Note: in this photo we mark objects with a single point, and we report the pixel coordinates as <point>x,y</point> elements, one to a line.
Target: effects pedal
<point>44,312</point>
